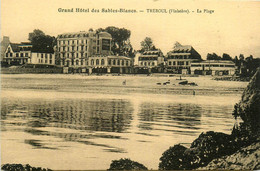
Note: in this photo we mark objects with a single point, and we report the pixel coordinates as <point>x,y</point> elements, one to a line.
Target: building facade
<point>74,49</point>
<point>18,54</point>
<point>180,58</point>
<point>152,60</point>
<point>213,67</point>
<point>42,58</point>
<point>110,64</point>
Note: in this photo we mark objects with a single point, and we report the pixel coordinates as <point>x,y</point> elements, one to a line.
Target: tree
<point>226,56</point>
<point>235,60</point>
<point>120,38</point>
<point>35,33</point>
<point>241,57</point>
<point>213,56</point>
<point>41,42</point>
<point>147,44</point>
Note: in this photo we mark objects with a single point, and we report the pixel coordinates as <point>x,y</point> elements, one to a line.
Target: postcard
<point>116,84</point>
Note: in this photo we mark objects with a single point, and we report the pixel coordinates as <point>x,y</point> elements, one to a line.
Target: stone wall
<point>30,70</point>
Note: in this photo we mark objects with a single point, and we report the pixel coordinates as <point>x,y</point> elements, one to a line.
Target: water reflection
<point>170,117</point>
<point>105,126</point>
<point>93,115</point>
<point>58,118</point>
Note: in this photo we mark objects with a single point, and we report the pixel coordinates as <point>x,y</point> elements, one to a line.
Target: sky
<point>233,28</point>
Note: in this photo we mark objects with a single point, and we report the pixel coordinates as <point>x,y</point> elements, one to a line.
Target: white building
<point>152,61</point>
<point>42,58</point>
<point>213,67</point>
<point>22,54</point>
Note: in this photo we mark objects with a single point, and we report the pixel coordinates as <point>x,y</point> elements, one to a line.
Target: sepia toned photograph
<point>130,85</point>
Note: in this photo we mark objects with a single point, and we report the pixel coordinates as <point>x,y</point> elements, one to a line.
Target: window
<point>114,62</point>
<point>82,62</point>
<point>180,63</point>
<point>81,54</point>
<point>109,62</point>
<point>21,54</point>
<point>141,63</point>
<point>41,55</point>
<point>127,63</point>
<point>152,63</point>
<point>123,62</point>
<point>77,62</point>
<point>11,55</point>
<point>187,63</point>
<point>92,61</point>
<point>118,62</point>
<point>145,64</point>
<point>17,54</point>
<point>97,62</point>
<point>102,62</point>
<point>26,54</point>
<point>170,63</point>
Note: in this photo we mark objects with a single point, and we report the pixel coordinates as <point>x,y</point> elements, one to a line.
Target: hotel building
<point>180,58</point>
<point>74,49</point>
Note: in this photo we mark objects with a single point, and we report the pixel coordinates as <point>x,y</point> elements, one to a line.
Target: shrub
<point>173,158</point>
<point>126,164</point>
<point>20,167</point>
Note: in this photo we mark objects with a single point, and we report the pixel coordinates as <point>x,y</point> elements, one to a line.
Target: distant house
<point>213,67</point>
<point>18,54</point>
<point>180,58</point>
<point>151,60</point>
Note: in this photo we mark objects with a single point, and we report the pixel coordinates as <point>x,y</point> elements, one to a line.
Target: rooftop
<point>83,34</point>
<point>152,53</point>
<point>216,61</point>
